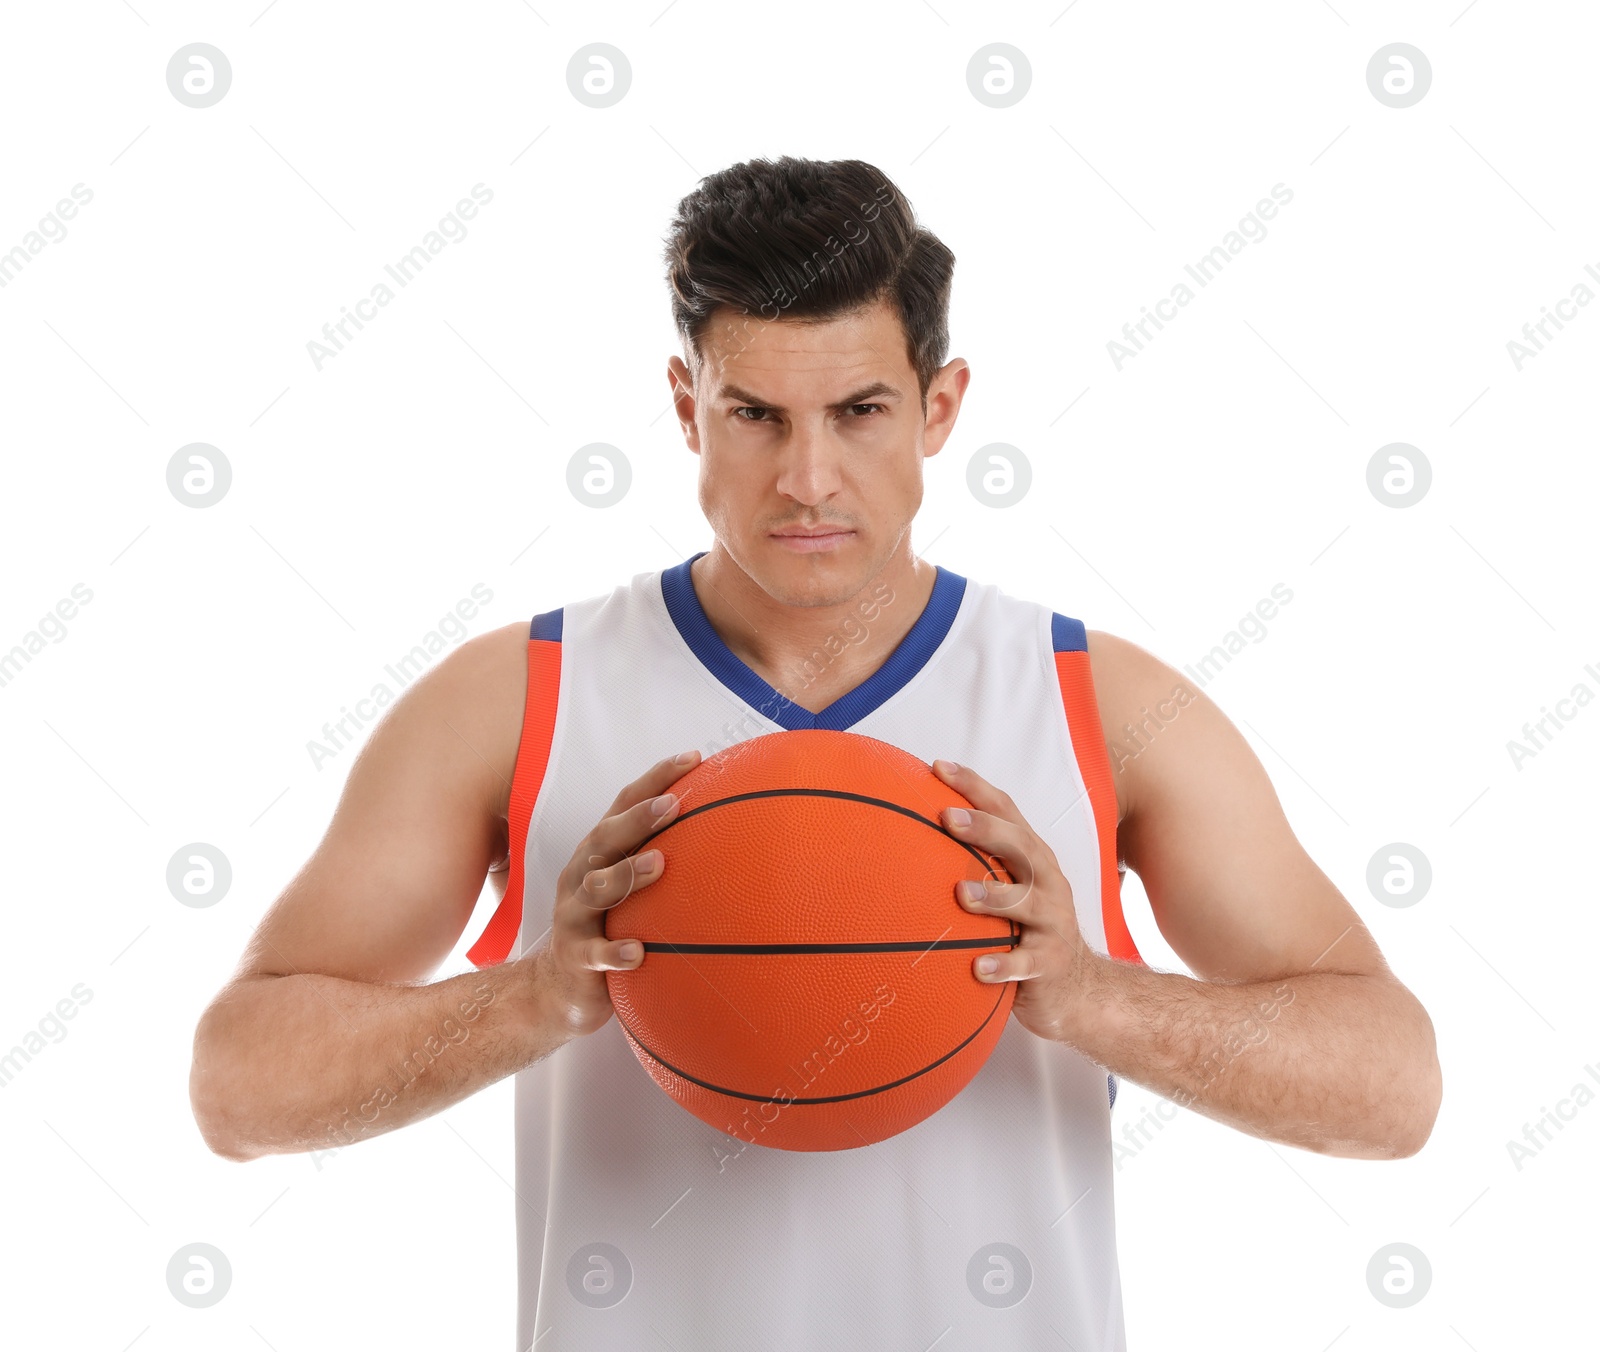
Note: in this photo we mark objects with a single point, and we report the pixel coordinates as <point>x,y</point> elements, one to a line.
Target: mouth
<point>807,541</point>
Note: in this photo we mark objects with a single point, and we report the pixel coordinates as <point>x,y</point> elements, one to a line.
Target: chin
<point>827,577</point>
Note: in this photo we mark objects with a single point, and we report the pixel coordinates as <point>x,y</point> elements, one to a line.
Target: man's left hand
<point>1051,959</point>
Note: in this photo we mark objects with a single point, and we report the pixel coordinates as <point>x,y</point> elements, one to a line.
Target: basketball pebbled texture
<point>807,981</point>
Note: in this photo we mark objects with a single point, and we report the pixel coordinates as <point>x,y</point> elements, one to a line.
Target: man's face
<point>812,426</point>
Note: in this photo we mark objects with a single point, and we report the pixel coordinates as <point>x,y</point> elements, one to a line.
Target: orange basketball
<point>807,980</point>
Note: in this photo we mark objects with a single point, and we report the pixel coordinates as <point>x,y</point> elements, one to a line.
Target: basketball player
<point>812,386</point>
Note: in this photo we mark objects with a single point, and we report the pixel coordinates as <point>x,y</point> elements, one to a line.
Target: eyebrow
<point>865,394</point>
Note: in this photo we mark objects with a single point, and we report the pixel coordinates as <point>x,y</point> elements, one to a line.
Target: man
<point>813,385</point>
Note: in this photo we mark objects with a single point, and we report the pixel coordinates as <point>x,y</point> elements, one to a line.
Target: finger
<point>612,955</point>
<point>1016,846</point>
<point>1014,901</point>
<point>1024,904</point>
<point>1021,964</point>
<point>658,777</point>
<point>611,840</point>
<point>614,838</point>
<point>977,790</point>
<point>603,888</point>
<point>625,832</point>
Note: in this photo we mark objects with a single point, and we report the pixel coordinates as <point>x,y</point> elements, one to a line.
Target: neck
<point>813,654</point>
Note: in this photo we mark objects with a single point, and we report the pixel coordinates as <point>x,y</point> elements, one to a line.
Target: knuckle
<point>597,889</point>
<point>1011,896</point>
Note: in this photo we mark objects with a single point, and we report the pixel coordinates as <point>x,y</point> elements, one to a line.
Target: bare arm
<point>304,1061</point>
<point>1297,1030</point>
<point>326,1035</point>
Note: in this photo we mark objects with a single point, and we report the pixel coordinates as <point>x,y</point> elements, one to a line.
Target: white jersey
<point>989,1224</point>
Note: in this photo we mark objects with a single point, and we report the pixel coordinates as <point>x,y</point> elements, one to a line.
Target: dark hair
<point>808,239</point>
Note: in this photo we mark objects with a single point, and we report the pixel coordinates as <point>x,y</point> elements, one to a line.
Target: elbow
<point>1425,1113</point>
<point>1422,1097</point>
<point>222,1144</point>
<point>209,1101</point>
<point>216,1128</point>
<point>220,1139</point>
<point>1398,1107</point>
<point>1402,1142</point>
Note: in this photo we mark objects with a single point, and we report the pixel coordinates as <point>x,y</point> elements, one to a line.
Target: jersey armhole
<point>1070,643</point>
<point>499,936</point>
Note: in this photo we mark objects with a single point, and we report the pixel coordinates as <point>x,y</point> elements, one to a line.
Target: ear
<point>945,392</point>
<point>681,381</point>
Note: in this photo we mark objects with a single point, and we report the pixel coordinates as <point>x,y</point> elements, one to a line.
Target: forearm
<point>312,1062</point>
<point>1337,1063</point>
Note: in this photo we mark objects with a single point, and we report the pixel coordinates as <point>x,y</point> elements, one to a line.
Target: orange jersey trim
<point>494,945</point>
<point>1094,764</point>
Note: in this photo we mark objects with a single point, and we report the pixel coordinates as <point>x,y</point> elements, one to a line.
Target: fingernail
<point>946,767</point>
<point>647,862</point>
<point>662,805</point>
<point>630,950</point>
<point>987,964</point>
<point>972,890</point>
<point>958,816</point>
<point>684,757</point>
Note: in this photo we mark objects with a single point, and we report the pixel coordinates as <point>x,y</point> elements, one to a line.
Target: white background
<point>369,497</point>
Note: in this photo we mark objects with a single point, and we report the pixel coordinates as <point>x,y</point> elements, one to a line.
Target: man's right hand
<point>572,964</point>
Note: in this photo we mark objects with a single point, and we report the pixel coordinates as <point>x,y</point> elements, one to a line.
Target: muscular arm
<point>326,1033</point>
<point>1296,1029</point>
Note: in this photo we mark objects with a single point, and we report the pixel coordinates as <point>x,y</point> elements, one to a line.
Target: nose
<point>810,469</point>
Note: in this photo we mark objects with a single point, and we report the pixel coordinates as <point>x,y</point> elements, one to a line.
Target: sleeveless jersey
<point>989,1224</point>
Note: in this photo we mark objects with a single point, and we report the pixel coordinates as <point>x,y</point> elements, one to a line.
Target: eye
<point>854,407</point>
<point>749,409</point>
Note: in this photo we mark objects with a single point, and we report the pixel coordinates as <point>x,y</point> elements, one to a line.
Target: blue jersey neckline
<point>909,657</point>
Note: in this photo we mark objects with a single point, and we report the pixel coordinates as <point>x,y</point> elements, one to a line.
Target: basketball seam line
<point>832,1098</point>
<point>819,793</point>
<point>888,946</point>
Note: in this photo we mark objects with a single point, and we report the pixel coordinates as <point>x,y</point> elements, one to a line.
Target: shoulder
<point>1119,664</point>
<point>1138,695</point>
<point>477,694</point>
